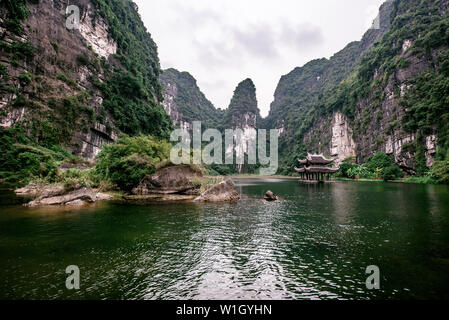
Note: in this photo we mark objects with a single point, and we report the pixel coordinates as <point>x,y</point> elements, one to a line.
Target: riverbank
<point>255,176</point>
<point>411,180</point>
<point>171,183</point>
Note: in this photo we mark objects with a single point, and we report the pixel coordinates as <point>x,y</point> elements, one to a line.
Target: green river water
<point>315,243</point>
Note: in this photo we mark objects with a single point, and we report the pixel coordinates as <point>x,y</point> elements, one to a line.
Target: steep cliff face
<point>342,145</point>
<point>333,136</point>
<point>64,86</point>
<point>243,111</point>
<point>243,114</point>
<point>302,97</point>
<point>390,99</point>
<point>184,102</point>
<point>300,90</point>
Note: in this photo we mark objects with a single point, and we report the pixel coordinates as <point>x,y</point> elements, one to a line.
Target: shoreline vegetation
<point>121,167</point>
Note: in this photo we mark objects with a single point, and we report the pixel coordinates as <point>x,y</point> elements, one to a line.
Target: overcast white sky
<point>222,42</point>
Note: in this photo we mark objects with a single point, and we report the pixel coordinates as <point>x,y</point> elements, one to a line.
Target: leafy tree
<point>392,172</point>
<point>21,160</point>
<point>126,162</point>
<point>440,171</point>
<point>379,161</point>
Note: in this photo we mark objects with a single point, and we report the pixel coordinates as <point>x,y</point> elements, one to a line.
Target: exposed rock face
<point>169,180</point>
<point>394,145</point>
<point>247,123</point>
<point>93,141</point>
<point>243,110</point>
<point>380,128</point>
<point>380,119</point>
<point>67,69</point>
<point>332,136</point>
<point>96,35</point>
<point>343,145</point>
<point>297,90</point>
<point>431,146</point>
<point>223,192</point>
<point>56,64</point>
<point>243,114</point>
<point>103,196</point>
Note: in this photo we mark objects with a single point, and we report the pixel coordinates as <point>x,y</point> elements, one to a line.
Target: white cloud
<point>223,42</point>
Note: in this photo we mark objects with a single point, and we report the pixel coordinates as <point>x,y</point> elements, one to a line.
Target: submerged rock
<point>76,203</point>
<point>269,196</point>
<point>76,197</point>
<point>149,198</point>
<point>170,180</point>
<point>103,196</point>
<point>223,192</point>
<point>58,194</point>
<point>35,190</point>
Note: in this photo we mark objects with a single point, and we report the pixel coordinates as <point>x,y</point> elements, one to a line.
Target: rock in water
<point>223,192</point>
<point>269,196</point>
<point>34,190</point>
<point>169,180</point>
<point>76,197</point>
<point>103,196</point>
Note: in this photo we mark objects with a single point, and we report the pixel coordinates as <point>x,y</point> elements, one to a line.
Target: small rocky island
<point>172,183</point>
<point>270,196</point>
<point>51,195</point>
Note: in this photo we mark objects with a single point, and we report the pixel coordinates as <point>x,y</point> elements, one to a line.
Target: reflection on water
<point>314,244</point>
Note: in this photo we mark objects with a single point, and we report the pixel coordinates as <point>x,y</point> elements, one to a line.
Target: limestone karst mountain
<point>243,114</point>
<point>382,94</point>
<point>243,111</point>
<point>80,87</point>
<point>184,102</point>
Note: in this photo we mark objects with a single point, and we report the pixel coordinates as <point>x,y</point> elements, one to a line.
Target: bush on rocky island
<point>126,162</point>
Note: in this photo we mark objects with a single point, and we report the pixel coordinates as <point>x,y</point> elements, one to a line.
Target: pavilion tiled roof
<point>317,169</point>
<point>316,159</point>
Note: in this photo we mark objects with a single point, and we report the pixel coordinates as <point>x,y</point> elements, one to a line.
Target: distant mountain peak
<point>244,99</point>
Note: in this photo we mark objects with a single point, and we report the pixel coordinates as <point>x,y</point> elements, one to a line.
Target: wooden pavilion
<point>316,168</point>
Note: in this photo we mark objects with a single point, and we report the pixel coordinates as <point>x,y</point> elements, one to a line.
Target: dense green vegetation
<point>306,94</point>
<point>243,101</point>
<point>126,162</point>
<point>121,165</point>
<point>131,95</point>
<point>190,101</point>
<point>427,102</point>
<point>23,160</point>
<point>302,99</point>
<point>379,166</point>
<point>134,111</point>
<point>136,49</point>
<point>131,92</point>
